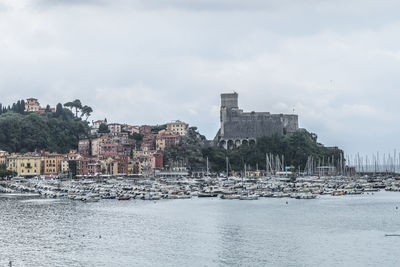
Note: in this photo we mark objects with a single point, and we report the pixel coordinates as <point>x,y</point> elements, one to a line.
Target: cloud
<point>140,61</point>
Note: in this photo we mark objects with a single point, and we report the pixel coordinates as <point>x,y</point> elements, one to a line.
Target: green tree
<point>103,128</point>
<point>86,111</point>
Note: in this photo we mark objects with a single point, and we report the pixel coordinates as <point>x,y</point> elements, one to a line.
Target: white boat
<point>248,197</point>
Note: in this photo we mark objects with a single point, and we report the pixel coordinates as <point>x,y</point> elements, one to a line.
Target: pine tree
<point>22,106</point>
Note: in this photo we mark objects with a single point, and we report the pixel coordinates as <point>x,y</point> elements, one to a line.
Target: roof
<point>32,98</point>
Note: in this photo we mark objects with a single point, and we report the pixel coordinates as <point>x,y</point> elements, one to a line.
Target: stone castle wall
<point>238,127</point>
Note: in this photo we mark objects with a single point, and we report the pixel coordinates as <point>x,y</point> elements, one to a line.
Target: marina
<point>93,190</point>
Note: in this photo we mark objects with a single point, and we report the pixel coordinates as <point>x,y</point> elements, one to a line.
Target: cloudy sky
<point>336,63</point>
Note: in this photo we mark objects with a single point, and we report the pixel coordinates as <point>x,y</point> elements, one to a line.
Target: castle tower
<point>229,101</point>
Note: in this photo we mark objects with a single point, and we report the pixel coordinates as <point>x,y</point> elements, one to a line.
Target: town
<point>109,151</point>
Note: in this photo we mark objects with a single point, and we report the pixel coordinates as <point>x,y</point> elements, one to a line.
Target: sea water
<point>327,231</point>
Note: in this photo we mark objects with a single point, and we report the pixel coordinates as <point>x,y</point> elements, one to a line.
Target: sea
<point>327,231</point>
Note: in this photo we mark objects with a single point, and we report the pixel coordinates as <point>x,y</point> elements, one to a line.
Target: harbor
<point>242,188</point>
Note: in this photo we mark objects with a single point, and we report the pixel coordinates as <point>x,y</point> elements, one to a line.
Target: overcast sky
<point>336,63</point>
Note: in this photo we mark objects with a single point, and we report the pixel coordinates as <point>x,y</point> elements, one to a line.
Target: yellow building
<point>32,105</point>
<point>25,165</point>
<point>178,127</point>
<point>109,166</point>
<point>3,157</point>
<point>160,144</point>
<point>52,164</point>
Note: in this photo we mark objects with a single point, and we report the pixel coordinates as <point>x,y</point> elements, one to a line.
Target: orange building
<point>52,163</point>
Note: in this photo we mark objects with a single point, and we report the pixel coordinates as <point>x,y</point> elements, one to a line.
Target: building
<point>242,128</point>
<point>157,161</point>
<point>64,166</point>
<point>32,105</point>
<point>131,129</point>
<point>96,125</point>
<point>25,165</point>
<point>3,157</point>
<point>167,139</point>
<point>145,129</point>
<point>115,128</point>
<point>109,166</point>
<point>84,147</point>
<point>148,142</point>
<point>178,127</point>
<point>51,163</point>
<point>43,110</point>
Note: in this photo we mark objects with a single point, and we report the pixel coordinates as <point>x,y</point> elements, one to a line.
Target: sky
<point>334,63</point>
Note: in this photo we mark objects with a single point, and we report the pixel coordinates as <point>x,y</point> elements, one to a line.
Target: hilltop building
<point>178,127</point>
<point>241,128</point>
<point>33,105</point>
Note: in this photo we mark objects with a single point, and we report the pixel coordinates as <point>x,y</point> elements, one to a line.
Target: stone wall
<point>238,127</point>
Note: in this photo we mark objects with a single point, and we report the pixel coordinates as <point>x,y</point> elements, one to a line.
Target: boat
<point>207,194</point>
<point>230,196</point>
<point>124,198</point>
<point>108,197</point>
<point>248,197</point>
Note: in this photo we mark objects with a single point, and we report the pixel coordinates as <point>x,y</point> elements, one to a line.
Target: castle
<point>242,128</point>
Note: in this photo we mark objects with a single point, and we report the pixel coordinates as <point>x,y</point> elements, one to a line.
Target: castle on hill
<point>241,128</point>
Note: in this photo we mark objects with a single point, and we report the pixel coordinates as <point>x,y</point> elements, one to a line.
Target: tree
<point>59,110</point>
<point>78,106</point>
<point>86,111</point>
<point>103,128</point>
<point>32,131</point>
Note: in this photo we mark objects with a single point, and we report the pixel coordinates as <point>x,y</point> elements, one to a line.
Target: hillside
<point>55,132</point>
<point>295,148</point>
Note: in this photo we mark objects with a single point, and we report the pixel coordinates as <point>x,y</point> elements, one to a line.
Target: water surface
<point>328,231</point>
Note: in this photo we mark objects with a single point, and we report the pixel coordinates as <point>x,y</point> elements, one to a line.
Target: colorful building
<point>167,139</point>
<point>3,157</point>
<point>25,165</point>
<point>52,163</point>
<point>178,127</point>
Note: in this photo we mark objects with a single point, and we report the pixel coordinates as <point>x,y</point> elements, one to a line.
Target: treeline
<point>18,107</point>
<point>57,131</point>
<point>295,149</point>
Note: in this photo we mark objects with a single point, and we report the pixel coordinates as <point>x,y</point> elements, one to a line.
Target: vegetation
<point>84,111</point>
<point>18,107</point>
<point>295,148</point>
<point>54,132</point>
<point>6,173</point>
<point>103,128</point>
<point>188,152</point>
<point>156,129</point>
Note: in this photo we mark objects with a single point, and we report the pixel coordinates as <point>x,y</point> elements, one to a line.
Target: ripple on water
<point>201,232</point>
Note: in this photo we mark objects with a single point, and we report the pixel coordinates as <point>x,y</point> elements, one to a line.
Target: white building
<point>178,127</point>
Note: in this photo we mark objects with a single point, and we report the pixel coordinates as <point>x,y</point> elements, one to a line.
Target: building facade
<point>178,127</point>
<point>25,165</point>
<point>242,128</point>
<point>32,105</point>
